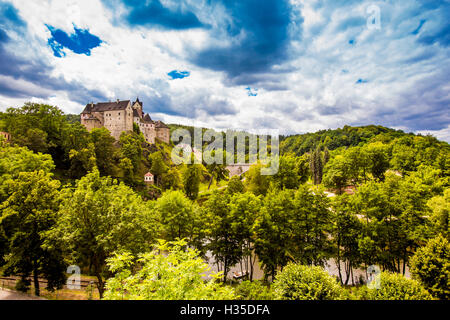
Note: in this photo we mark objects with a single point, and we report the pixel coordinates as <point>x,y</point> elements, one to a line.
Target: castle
<point>120,116</point>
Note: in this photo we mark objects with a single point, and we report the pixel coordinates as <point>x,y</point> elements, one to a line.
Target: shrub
<point>176,275</point>
<point>255,290</point>
<point>431,266</point>
<point>298,282</point>
<point>395,286</point>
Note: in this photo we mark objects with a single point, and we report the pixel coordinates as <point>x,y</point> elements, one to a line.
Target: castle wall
<point>91,124</point>
<point>118,121</point>
<point>150,134</point>
<point>163,134</point>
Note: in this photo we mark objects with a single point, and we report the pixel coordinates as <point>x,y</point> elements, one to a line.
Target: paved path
<point>12,295</point>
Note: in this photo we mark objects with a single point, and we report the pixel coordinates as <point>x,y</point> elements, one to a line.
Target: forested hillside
<point>333,139</point>
<point>356,197</point>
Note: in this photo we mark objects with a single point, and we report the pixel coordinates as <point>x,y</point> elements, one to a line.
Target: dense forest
<point>358,196</point>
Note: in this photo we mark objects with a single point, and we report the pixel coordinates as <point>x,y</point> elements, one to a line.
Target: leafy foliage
<point>254,290</point>
<point>431,266</point>
<point>26,216</point>
<point>177,275</point>
<point>395,287</point>
<point>100,217</point>
<point>298,282</point>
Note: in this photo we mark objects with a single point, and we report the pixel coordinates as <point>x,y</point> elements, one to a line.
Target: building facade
<point>120,116</point>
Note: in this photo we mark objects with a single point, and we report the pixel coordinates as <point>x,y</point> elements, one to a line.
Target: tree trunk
<point>225,270</point>
<point>251,266</point>
<point>37,290</point>
<point>210,182</point>
<point>100,285</point>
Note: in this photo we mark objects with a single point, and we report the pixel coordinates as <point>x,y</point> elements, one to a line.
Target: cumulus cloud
<point>295,65</point>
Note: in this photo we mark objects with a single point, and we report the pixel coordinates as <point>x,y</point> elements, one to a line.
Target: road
<point>11,295</point>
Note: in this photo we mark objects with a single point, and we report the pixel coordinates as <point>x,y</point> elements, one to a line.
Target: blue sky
<point>293,65</point>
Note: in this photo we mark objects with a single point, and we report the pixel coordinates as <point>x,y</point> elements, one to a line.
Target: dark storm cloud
<point>152,13</point>
<point>259,32</point>
<point>187,106</point>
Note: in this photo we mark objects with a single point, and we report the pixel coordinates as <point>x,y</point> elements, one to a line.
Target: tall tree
<point>316,165</point>
<point>105,151</point>
<point>346,230</point>
<point>274,231</point>
<point>311,225</point>
<point>191,180</point>
<point>244,210</point>
<point>100,217</point>
<point>179,218</point>
<point>159,167</point>
<point>223,243</point>
<point>26,216</point>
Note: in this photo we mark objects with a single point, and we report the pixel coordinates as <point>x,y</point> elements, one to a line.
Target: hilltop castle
<point>120,116</point>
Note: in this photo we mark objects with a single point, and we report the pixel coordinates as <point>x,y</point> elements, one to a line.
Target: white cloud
<point>315,89</point>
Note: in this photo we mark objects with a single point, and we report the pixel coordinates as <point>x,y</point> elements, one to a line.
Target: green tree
<point>431,266</point>
<point>316,166</point>
<point>310,225</point>
<point>394,218</point>
<point>159,167</point>
<point>378,158</point>
<point>235,186</point>
<point>35,126</point>
<point>15,160</point>
<point>297,282</point>
<point>100,217</point>
<point>105,151</point>
<point>191,180</point>
<point>326,155</point>
<point>287,176</point>
<point>131,149</point>
<point>395,287</point>
<point>254,291</point>
<point>403,158</point>
<point>337,174</point>
<point>179,217</point>
<point>79,151</point>
<point>172,179</point>
<point>26,216</point>
<point>346,230</point>
<point>217,171</point>
<point>177,275</point>
<point>440,208</point>
<point>274,231</point>
<point>245,209</point>
<point>256,182</point>
<point>224,245</point>
<point>302,168</point>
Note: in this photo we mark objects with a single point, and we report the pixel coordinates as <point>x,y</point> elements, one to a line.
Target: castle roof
<point>160,124</point>
<point>106,106</point>
<point>140,103</point>
<point>136,114</point>
<point>147,118</point>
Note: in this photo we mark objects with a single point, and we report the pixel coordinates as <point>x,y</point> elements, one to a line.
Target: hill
<point>344,137</point>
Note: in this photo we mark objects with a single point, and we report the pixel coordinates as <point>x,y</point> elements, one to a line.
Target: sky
<point>291,65</point>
